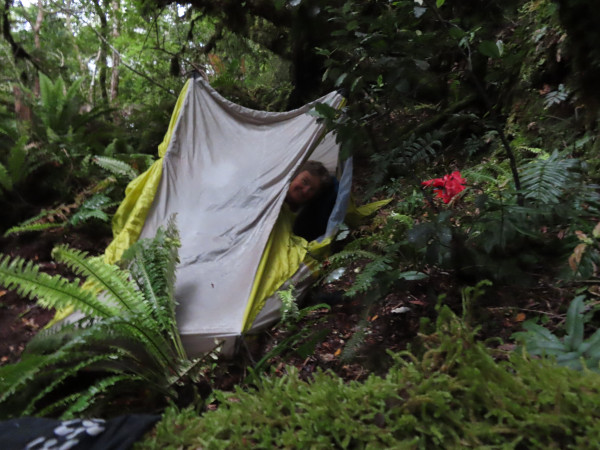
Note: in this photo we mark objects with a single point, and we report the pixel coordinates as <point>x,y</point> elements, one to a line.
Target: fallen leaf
<point>417,302</point>
<point>596,232</point>
<point>507,347</point>
<point>520,317</point>
<point>374,318</point>
<point>575,258</point>
<point>338,352</point>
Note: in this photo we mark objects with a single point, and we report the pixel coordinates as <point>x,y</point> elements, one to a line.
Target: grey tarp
<point>225,176</point>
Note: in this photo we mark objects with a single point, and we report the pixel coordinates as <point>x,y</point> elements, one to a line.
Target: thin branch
<point>488,105</point>
<point>17,49</point>
<point>137,72</point>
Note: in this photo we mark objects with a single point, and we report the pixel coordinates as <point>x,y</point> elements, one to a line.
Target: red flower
<point>448,186</point>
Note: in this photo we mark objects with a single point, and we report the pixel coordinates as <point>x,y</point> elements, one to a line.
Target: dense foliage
<point>477,119</point>
<point>455,395</point>
<point>126,346</point>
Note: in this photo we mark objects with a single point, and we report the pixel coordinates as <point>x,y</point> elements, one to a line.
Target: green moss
<point>455,395</point>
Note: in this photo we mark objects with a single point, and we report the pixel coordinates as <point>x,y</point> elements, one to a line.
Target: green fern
<point>417,150</point>
<point>289,307</point>
<point>18,164</point>
<point>5,179</point>
<point>34,227</point>
<point>51,291</point>
<point>546,180</point>
<point>115,166</point>
<point>59,106</point>
<point>129,339</point>
<point>91,208</point>
<point>349,255</point>
<point>368,276</point>
<point>86,214</point>
<point>355,342</point>
<point>411,152</point>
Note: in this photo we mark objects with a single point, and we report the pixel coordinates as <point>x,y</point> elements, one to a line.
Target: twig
<point>502,308</point>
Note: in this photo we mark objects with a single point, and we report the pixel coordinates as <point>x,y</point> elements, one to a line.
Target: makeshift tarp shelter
<point>224,170</point>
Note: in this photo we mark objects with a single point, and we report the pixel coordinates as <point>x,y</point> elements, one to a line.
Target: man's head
<point>308,181</point>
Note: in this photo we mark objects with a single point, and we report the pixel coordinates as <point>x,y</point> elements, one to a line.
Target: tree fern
<point>130,341</point>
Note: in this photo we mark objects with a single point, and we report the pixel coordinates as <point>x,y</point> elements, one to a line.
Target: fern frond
<point>14,376</point>
<point>58,405</point>
<point>352,255</point>
<point>115,166</point>
<point>152,265</point>
<point>545,180</point>
<point>5,179</point>
<point>152,341</point>
<point>87,214</point>
<point>50,291</point>
<point>97,202</point>
<point>106,278</point>
<point>86,399</point>
<point>17,161</point>
<point>59,375</point>
<point>366,278</point>
<point>186,367</point>
<point>412,151</point>
<point>355,342</point>
<point>28,228</point>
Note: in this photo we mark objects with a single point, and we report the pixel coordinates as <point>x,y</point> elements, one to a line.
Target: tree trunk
<point>102,69</point>
<point>37,42</point>
<point>22,111</point>
<point>82,66</point>
<point>116,58</point>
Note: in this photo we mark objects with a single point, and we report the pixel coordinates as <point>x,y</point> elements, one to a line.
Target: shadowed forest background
<point>452,317</point>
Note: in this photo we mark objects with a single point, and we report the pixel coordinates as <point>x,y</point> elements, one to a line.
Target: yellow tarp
<point>130,217</point>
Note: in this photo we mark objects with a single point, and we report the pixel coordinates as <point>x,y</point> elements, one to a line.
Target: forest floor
<point>350,336</point>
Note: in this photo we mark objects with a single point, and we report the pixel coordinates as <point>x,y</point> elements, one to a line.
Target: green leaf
<point>115,166</point>
<point>323,111</point>
<point>574,323</point>
<point>489,49</point>
<point>5,179</point>
<point>440,3</point>
<point>539,341</point>
<point>412,275</point>
<point>456,33</point>
<point>340,79</point>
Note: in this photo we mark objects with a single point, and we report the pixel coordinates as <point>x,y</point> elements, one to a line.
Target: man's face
<point>303,188</point>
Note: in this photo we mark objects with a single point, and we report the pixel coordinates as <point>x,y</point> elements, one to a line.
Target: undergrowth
<point>457,393</point>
